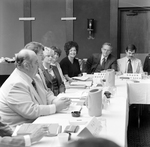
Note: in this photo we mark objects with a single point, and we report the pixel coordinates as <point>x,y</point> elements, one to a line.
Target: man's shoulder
<point>112,57</point>
<point>123,58</point>
<point>137,59</point>
<point>96,55</point>
<point>120,60</point>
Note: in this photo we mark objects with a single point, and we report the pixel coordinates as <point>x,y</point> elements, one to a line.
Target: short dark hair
<point>34,46</point>
<point>131,47</point>
<point>69,45</point>
<point>57,50</point>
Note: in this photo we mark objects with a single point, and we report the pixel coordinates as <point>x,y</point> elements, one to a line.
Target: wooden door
<point>134,28</point>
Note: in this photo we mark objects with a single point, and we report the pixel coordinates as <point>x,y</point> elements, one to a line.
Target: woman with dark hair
<point>70,65</point>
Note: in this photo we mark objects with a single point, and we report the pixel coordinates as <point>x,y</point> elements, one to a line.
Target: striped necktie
<point>103,63</point>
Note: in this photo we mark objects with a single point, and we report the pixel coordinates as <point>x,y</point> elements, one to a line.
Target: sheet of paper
<point>73,95</point>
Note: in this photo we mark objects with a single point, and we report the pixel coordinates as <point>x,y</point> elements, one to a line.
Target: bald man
<point>21,101</point>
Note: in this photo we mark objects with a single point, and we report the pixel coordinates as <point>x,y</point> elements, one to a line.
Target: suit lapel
<point>35,94</point>
<point>96,63</point>
<point>42,78</point>
<point>135,67</point>
<point>124,65</point>
<point>107,63</point>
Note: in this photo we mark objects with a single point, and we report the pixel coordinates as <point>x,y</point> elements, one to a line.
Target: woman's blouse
<point>70,69</point>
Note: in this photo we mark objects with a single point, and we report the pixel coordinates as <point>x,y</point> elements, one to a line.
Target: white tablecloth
<point>139,91</point>
<point>115,118</point>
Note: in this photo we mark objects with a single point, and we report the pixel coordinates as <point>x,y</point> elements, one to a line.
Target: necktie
<point>103,63</point>
<point>129,70</point>
<point>34,85</point>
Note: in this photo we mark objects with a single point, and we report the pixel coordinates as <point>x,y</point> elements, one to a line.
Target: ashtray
<point>76,113</point>
<point>107,94</point>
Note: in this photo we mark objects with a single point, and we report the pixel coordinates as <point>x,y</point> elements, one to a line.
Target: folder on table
<point>28,128</point>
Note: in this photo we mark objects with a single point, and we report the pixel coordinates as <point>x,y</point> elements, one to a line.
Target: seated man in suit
<point>146,66</point>
<point>23,97</point>
<point>18,141</point>
<point>38,48</point>
<point>101,61</point>
<point>129,63</point>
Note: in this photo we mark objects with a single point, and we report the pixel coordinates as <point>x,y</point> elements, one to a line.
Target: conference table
<point>114,118</point>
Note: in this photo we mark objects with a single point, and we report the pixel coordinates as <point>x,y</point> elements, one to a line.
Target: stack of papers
<point>81,83</point>
<point>83,78</point>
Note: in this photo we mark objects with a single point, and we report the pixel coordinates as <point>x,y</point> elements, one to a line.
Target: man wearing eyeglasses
<point>129,63</point>
<point>99,62</point>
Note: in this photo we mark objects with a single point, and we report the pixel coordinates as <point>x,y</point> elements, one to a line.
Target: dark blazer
<point>56,86</point>
<point>94,60</point>
<point>6,140</point>
<point>146,67</point>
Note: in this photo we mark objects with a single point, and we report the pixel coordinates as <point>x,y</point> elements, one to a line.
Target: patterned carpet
<point>139,137</point>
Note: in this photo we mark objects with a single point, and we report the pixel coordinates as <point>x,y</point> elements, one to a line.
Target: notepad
<point>28,128</point>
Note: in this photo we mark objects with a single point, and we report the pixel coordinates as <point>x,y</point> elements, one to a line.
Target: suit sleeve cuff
<point>52,108</point>
<point>27,140</point>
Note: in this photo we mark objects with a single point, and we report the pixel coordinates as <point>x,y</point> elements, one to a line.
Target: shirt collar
<point>103,57</point>
<point>130,59</point>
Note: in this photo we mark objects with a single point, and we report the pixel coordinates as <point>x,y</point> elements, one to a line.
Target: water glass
<point>63,138</point>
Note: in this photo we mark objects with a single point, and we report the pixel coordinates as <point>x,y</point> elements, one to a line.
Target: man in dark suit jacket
<point>146,67</point>
<point>18,141</point>
<point>101,61</point>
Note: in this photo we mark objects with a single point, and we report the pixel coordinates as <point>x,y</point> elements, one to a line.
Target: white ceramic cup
<point>84,74</point>
<point>63,137</point>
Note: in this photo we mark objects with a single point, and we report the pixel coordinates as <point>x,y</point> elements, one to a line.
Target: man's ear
<point>26,65</point>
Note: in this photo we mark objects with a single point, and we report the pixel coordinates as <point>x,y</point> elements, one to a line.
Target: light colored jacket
<point>20,102</point>
<point>136,65</point>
